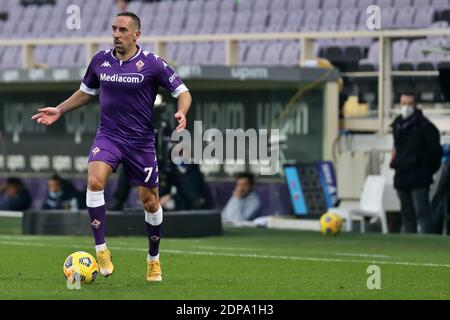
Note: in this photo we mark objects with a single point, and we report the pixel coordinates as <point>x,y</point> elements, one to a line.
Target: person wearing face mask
<point>416,157</point>
<point>61,195</point>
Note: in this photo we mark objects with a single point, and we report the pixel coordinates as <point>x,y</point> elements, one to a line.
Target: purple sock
<point>153,222</point>
<point>97,216</point>
<point>154,235</point>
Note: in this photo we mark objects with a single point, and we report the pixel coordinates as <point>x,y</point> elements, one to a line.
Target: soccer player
<point>127,79</point>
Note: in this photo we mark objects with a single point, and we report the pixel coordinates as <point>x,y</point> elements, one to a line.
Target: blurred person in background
<point>15,196</point>
<point>244,205</point>
<point>416,157</point>
<point>62,195</point>
<point>122,5</point>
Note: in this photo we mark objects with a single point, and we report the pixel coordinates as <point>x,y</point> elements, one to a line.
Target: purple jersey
<point>127,93</point>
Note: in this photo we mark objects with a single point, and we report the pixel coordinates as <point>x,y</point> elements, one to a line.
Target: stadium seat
<point>209,22</point>
<point>278,5</point>
<point>405,18</point>
<point>241,22</point>
<point>196,6</point>
<point>262,5</point>
<point>258,21</point>
<point>255,53</point>
<point>388,18</point>
<point>277,20</point>
<point>424,17</point>
<point>312,21</point>
<point>370,205</point>
<point>202,53</point>
<point>225,21</point>
<point>291,54</point>
<point>402,3</point>
<point>295,5</point>
<point>217,56</point>
<point>211,6</point>
<point>273,53</point>
<point>385,3</point>
<point>192,23</point>
<point>309,4</point>
<point>294,21</point>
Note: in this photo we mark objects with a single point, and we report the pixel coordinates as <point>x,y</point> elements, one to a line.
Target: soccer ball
<point>80,267</point>
<point>330,223</point>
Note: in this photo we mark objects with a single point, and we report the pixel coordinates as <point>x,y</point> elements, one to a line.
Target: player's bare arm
<point>49,115</point>
<point>184,104</point>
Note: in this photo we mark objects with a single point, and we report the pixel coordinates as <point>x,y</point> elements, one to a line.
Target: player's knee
<point>150,203</point>
<point>95,184</point>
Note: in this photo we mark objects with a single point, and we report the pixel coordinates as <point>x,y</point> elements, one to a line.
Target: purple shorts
<point>140,166</point>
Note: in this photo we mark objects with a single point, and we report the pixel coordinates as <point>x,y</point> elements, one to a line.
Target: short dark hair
<point>246,175</point>
<point>56,177</point>
<point>409,94</point>
<point>15,182</point>
<point>132,16</point>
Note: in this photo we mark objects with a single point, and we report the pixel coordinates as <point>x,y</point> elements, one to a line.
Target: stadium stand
<point>29,19</point>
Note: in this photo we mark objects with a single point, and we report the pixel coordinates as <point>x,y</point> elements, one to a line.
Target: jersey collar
<point>121,61</point>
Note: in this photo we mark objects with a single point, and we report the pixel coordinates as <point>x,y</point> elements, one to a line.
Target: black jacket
<point>418,151</point>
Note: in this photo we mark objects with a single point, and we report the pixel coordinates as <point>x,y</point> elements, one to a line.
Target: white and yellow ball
<point>330,223</point>
<point>80,266</point>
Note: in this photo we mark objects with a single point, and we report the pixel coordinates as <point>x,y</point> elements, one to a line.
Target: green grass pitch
<point>242,264</point>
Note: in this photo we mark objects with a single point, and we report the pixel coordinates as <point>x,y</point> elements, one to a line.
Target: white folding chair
<point>370,205</point>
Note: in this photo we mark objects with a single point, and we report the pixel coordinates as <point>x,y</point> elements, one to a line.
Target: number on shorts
<point>149,170</point>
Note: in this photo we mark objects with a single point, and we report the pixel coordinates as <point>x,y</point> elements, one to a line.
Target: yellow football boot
<point>154,271</point>
<point>104,262</point>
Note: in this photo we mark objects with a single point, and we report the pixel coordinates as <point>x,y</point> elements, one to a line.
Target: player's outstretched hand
<point>47,116</point>
<point>181,118</point>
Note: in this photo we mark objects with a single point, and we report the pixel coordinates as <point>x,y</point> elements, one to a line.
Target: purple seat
<point>176,23</point>
<point>202,53</point>
<point>294,21</point>
<point>172,51</point>
<point>160,22</point>
<point>399,50</point>
<point>439,4</point>
<point>331,17</point>
<point>258,21</point>
<point>388,18</point>
<point>414,54</point>
<point>294,5</point>
<point>185,53</point>
<point>349,4</point>
<point>243,47</point>
<point>364,4</point>
<point>179,6</point>
<point>278,5</point>
<point>211,6</point>
<point>330,4</point>
<point>196,6</point>
<point>277,20</point>
<point>241,22</point>
<point>217,55</point>
<point>226,6</point>
<point>134,6</point>
<point>385,3</point>
<point>39,54</point>
<point>53,58</point>
<point>225,22</point>
<point>371,63</point>
<point>255,53</point>
<point>12,58</point>
<point>402,3</point>
<point>311,4</point>
<point>165,7</point>
<point>349,17</point>
<point>312,20</point>
<point>192,23</point>
<point>290,56</point>
<point>246,5</point>
<point>272,55</point>
<point>262,5</point>
<point>421,3</point>
<point>405,18</point>
<point>209,22</point>
<point>424,17</point>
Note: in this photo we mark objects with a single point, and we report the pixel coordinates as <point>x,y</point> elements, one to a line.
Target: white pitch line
<point>243,255</point>
<point>363,255</point>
